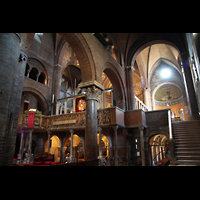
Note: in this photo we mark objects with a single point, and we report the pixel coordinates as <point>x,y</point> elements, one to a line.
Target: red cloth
<point>30,121</point>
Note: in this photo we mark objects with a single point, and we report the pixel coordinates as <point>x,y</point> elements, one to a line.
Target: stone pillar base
<point>102,161</point>
<point>71,159</point>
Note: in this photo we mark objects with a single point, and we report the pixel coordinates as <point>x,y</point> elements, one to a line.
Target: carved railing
<point>64,121</point>
<point>106,116</point>
<point>40,121</point>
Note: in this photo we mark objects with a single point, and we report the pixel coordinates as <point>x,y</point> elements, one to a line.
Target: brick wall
<point>11,88</point>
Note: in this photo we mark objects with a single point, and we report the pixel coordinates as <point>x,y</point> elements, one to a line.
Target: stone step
<point>189,157</point>
<point>187,143</point>
<point>187,139</point>
<point>189,146</point>
<point>184,163</point>
<point>186,136</point>
<point>188,153</point>
<point>187,149</point>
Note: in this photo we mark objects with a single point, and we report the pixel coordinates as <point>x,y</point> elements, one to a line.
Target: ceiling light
<point>165,73</point>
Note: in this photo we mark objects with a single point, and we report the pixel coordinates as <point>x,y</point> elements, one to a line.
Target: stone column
<point>141,128</point>
<point>100,157</point>
<point>130,88</point>
<point>21,145</point>
<point>49,135</point>
<point>72,159</point>
<point>37,77</point>
<point>190,91</point>
<point>57,108</point>
<point>11,83</point>
<point>115,142</point>
<point>57,82</point>
<point>147,98</point>
<point>71,145</point>
<point>100,145</point>
<point>62,151</point>
<point>91,94</point>
<point>30,142</point>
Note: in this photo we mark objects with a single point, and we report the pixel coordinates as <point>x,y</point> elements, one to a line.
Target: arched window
<point>42,78</point>
<point>33,73</point>
<point>27,69</point>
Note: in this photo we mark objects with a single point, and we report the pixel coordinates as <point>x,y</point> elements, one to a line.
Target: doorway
<point>159,148</point>
<point>54,148</point>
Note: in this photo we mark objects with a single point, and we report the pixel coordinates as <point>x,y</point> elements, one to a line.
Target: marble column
<point>72,159</point>
<point>130,88</point>
<point>62,150</point>
<point>91,148</point>
<point>71,145</point>
<point>100,157</point>
<point>30,142</point>
<point>49,135</point>
<point>20,155</point>
<point>100,145</point>
<point>115,143</point>
<point>141,128</point>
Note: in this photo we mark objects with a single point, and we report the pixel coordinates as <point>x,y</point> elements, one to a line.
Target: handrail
<point>159,153</point>
<point>140,104</point>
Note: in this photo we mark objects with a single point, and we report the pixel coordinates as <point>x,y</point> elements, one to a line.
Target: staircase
<point>187,142</point>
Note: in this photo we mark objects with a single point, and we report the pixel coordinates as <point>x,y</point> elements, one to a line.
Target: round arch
<point>149,135</point>
<point>118,87</point>
<point>106,144</point>
<point>35,63</point>
<point>80,46</point>
<point>151,39</point>
<point>154,91</point>
<point>55,145</point>
<point>159,146</point>
<point>78,146</point>
<point>42,100</point>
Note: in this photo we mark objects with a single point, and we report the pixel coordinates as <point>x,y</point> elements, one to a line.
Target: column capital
<point>90,84</point>
<point>115,128</point>
<point>91,93</point>
<point>141,128</point>
<point>99,129</point>
<point>71,131</point>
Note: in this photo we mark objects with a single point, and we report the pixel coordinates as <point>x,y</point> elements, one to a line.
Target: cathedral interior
<point>106,99</point>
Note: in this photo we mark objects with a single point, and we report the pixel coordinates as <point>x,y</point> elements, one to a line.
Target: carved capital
<point>71,131</point>
<point>91,92</point>
<point>141,128</point>
<point>99,129</point>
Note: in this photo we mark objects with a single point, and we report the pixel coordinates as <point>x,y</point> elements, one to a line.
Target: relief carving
<point>91,92</point>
